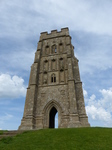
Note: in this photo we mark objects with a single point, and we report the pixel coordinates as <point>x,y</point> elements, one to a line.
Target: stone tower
<point>54,85</point>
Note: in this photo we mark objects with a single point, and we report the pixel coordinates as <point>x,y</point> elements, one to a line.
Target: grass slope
<point>2,131</point>
<point>60,139</point>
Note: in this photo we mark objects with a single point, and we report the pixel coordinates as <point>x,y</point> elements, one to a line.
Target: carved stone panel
<point>61,64</point>
<point>40,79</point>
<point>43,95</point>
<point>45,78</point>
<point>47,50</point>
<point>53,64</point>
<point>62,76</point>
<point>62,92</point>
<point>45,65</point>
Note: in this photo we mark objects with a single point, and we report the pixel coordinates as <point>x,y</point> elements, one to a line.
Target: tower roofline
<point>54,33</point>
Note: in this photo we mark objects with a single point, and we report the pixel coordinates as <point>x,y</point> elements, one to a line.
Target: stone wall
<point>54,83</point>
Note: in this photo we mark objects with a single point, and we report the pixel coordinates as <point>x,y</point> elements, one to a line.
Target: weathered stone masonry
<point>54,85</point>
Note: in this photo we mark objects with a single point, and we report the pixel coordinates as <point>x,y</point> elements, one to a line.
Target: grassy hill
<point>60,139</point>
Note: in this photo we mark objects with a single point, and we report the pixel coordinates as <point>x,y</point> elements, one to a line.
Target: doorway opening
<point>53,118</point>
<point>56,120</point>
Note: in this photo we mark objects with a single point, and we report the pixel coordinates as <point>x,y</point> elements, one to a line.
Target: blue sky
<point>90,25</point>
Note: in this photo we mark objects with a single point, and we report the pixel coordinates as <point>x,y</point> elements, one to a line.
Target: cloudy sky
<point>90,25</point>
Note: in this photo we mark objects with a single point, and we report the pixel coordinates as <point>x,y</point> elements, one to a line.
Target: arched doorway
<point>52,114</point>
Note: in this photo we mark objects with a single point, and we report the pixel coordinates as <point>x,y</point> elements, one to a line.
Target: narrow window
<point>61,47</point>
<point>54,50</point>
<point>45,72</point>
<point>61,58</point>
<point>53,60</point>
<point>45,61</point>
<point>53,78</point>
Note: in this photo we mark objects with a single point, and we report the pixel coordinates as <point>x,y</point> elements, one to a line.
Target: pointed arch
<point>52,103</point>
<point>47,109</point>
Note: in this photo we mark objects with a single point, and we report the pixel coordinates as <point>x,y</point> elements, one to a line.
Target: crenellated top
<point>54,33</point>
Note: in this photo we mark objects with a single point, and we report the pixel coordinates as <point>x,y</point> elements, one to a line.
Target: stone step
<point>11,133</point>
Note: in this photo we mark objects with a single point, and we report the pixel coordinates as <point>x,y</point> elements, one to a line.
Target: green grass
<point>2,131</point>
<point>60,139</point>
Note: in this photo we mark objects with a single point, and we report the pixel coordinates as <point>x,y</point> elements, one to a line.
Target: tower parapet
<point>54,33</point>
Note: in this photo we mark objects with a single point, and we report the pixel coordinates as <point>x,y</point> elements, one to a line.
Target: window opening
<point>61,70</point>
<point>45,61</point>
<point>61,58</point>
<point>45,72</point>
<point>55,50</point>
<point>60,44</point>
<point>53,78</point>
<point>53,60</point>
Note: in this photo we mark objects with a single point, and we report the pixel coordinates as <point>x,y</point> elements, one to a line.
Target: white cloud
<point>93,51</point>
<point>98,113</point>
<point>23,20</point>
<point>107,94</point>
<point>17,61</point>
<point>5,119</point>
<point>8,121</point>
<point>32,16</point>
<point>23,60</point>
<point>100,110</point>
<point>11,87</point>
<point>17,109</point>
<point>107,99</point>
<point>85,93</point>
